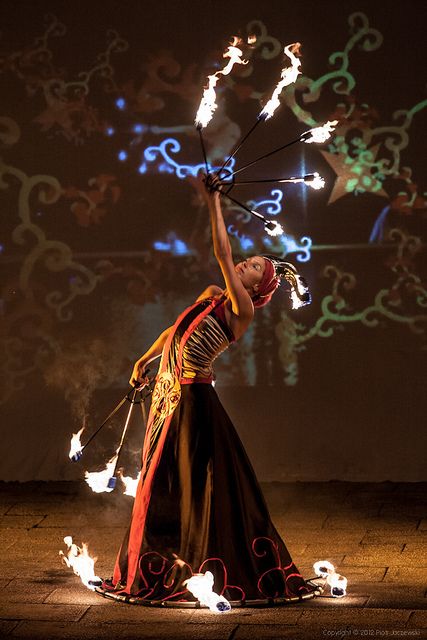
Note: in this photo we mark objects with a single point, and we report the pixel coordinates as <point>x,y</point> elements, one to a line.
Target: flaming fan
<point>225,179</point>
<point>105,480</point>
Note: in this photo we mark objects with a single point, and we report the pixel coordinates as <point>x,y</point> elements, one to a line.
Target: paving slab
<point>288,614</point>
<point>20,522</point>
<point>406,575</point>
<point>6,627</point>
<point>119,612</point>
<point>395,537</point>
<point>146,630</point>
<point>48,612</point>
<point>395,596</point>
<point>418,620</point>
<point>372,524</point>
<point>366,617</point>
<point>386,558</point>
<point>29,590</point>
<point>272,632</point>
<point>73,593</point>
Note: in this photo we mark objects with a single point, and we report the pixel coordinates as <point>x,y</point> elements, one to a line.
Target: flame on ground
<point>288,76</point>
<point>208,102</point>
<point>201,585</point>
<point>81,562</point>
<point>320,134</point>
<point>338,583</point>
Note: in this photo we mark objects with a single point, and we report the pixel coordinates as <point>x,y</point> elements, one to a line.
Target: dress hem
<point>182,604</point>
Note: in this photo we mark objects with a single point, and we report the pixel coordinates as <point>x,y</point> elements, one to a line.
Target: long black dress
<point>198,505</point>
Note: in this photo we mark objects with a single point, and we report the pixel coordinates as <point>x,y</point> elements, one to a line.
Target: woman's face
<point>251,272</point>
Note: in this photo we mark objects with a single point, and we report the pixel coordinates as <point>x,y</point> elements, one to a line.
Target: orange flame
<point>208,102</point>
<point>130,483</point>
<point>201,586</point>
<point>81,562</point>
<point>98,480</point>
<point>288,76</point>
<point>320,134</point>
<point>76,444</point>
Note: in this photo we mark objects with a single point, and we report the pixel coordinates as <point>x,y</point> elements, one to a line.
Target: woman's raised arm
<point>240,299</point>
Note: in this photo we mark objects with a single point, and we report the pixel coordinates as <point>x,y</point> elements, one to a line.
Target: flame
<point>315,181</point>
<point>81,562</point>
<point>208,102</point>
<point>319,134</point>
<point>273,228</point>
<point>130,483</point>
<point>251,38</point>
<point>288,76</point>
<point>98,480</point>
<point>297,294</point>
<point>338,583</point>
<point>200,585</point>
<point>76,445</point>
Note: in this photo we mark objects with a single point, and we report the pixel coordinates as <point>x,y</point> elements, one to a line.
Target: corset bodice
<point>210,337</point>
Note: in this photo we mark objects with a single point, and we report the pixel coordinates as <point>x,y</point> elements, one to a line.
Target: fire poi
<point>200,532</point>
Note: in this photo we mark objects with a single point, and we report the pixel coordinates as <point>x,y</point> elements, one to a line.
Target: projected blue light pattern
<point>287,244</point>
<point>170,165</point>
<point>173,245</point>
<point>272,206</point>
<point>284,244</point>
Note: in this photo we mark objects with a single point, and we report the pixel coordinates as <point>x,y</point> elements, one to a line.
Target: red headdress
<point>268,285</point>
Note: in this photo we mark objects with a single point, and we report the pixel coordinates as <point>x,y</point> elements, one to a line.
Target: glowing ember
<point>319,134</point>
<point>251,39</point>
<point>81,563</point>
<point>76,446</point>
<point>98,480</point>
<point>273,228</point>
<point>208,102</point>
<point>201,585</point>
<point>315,181</point>
<point>338,583</point>
<point>130,483</point>
<point>288,76</point>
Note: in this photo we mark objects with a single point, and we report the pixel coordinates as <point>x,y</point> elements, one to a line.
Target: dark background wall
<point>105,239</point>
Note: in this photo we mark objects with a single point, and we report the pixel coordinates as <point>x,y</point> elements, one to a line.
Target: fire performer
<point>198,505</point>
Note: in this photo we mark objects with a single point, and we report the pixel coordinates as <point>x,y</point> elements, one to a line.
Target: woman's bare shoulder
<point>211,290</point>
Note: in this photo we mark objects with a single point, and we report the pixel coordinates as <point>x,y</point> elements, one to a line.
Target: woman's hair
<point>276,270</point>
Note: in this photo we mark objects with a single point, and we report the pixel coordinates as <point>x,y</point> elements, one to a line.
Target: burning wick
<point>313,180</point>
<point>208,102</point>
<point>201,585</point>
<point>81,563</point>
<point>273,228</point>
<point>319,134</point>
<point>288,76</point>
<point>101,481</point>
<point>338,583</point>
<point>76,449</point>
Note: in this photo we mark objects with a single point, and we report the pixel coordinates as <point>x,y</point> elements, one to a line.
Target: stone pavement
<point>374,534</point>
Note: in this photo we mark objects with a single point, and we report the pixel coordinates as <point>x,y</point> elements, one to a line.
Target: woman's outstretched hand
<point>209,187</point>
<point>139,377</point>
